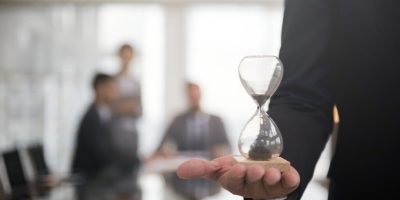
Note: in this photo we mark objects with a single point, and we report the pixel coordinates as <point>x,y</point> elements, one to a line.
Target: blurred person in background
<point>194,133</point>
<point>105,171</point>
<point>93,147</point>
<point>127,109</point>
<point>129,103</point>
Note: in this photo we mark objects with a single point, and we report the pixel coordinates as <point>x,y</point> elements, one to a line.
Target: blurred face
<point>194,96</point>
<point>108,91</point>
<point>126,55</point>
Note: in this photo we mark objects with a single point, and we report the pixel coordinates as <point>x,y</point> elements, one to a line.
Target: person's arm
<point>302,105</point>
<point>167,146</point>
<point>301,108</point>
<point>138,109</point>
<point>130,105</point>
<point>220,143</point>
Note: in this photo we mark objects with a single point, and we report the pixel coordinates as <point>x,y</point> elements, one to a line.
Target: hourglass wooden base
<point>277,162</point>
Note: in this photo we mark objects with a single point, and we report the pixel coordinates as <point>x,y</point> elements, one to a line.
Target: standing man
<point>343,52</point>
<point>194,133</point>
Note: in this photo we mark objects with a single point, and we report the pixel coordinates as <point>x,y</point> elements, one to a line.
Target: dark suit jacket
<point>343,52</point>
<point>94,149</point>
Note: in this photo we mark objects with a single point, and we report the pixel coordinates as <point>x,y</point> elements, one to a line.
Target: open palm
<point>248,181</point>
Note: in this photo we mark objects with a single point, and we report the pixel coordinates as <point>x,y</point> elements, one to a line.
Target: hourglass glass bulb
<point>260,138</point>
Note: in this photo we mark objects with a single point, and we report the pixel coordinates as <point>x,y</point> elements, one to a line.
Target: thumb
<point>197,168</point>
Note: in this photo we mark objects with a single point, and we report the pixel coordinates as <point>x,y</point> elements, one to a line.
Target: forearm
<point>129,107</point>
<point>305,133</point>
<point>302,105</point>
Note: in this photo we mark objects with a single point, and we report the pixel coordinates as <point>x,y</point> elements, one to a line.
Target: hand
<point>127,107</point>
<point>248,181</point>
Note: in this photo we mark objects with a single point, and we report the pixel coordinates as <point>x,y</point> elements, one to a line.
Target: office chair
<point>43,182</point>
<point>36,155</point>
<point>2,192</point>
<point>19,185</point>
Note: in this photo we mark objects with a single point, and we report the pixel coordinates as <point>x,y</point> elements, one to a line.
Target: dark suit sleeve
<point>302,105</point>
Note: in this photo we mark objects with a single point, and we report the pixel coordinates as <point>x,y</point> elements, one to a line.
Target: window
<point>218,36</point>
<point>141,26</point>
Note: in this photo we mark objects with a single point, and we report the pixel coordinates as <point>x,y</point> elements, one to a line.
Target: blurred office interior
<point>50,50</point>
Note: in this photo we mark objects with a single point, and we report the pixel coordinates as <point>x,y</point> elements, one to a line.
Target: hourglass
<point>260,141</point>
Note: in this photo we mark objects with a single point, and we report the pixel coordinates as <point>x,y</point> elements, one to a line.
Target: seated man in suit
<point>105,173</point>
<point>194,133</point>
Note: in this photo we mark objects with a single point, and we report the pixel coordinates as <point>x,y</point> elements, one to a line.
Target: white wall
<point>49,52</point>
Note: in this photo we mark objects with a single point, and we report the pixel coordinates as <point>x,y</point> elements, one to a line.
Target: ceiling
<point>139,1</point>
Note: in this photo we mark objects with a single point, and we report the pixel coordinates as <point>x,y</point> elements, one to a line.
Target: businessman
<point>93,140</point>
<point>106,172</point>
<point>342,52</point>
<point>196,133</point>
<point>94,151</point>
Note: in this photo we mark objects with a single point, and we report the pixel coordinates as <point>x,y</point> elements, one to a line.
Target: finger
<point>197,168</point>
<point>234,179</point>
<point>287,182</point>
<point>225,161</point>
<point>271,183</point>
<point>290,179</point>
<point>254,174</point>
<point>272,177</point>
<point>254,185</point>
